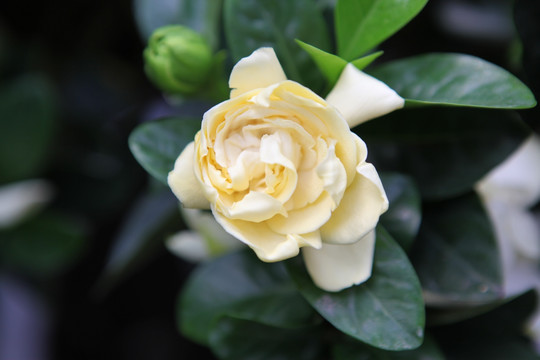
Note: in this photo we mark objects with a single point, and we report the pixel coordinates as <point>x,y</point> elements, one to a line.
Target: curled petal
<point>360,97</point>
<point>336,267</point>
<point>358,213</point>
<point>184,183</point>
<point>267,244</point>
<point>259,70</point>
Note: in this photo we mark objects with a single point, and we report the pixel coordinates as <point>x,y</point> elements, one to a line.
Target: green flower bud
<point>177,60</point>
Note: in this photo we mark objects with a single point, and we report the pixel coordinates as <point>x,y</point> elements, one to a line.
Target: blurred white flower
<point>19,200</point>
<point>508,192</point>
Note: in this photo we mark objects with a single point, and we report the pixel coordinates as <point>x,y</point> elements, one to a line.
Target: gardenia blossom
<point>281,170</point>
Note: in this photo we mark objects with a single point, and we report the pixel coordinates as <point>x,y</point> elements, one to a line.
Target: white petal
<point>255,206</point>
<point>20,199</point>
<point>336,267</point>
<point>259,70</point>
<point>267,244</point>
<point>517,179</point>
<point>358,213</point>
<point>188,245</point>
<point>183,182</point>
<point>360,97</point>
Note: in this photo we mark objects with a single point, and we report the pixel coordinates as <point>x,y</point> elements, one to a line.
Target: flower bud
<point>177,59</point>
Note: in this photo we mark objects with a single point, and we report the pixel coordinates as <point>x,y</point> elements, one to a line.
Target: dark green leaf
<point>386,312</point>
<point>402,220</point>
<point>43,246</point>
<point>354,350</point>
<point>27,128</point>
<point>363,24</point>
<point>498,334</point>
<point>456,254</point>
<point>144,228</point>
<point>241,286</point>
<point>455,79</point>
<point>234,339</point>
<point>445,150</point>
<point>252,24</point>
<point>156,145</point>
<point>332,65</point>
<point>203,16</point>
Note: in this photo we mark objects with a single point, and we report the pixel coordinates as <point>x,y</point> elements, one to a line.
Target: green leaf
<point>203,16</point>
<point>252,24</point>
<point>363,24</point>
<point>456,254</point>
<point>241,286</point>
<point>332,65</point>
<point>445,150</point>
<point>455,79</point>
<point>150,219</point>
<point>242,339</point>
<point>157,144</point>
<point>28,126</point>
<point>386,312</point>
<point>402,220</point>
<point>354,350</point>
<point>44,246</point>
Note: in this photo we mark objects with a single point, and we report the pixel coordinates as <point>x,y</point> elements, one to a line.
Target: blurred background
<point>84,273</point>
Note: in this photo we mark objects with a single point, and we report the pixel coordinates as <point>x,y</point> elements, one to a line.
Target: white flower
<point>281,170</point>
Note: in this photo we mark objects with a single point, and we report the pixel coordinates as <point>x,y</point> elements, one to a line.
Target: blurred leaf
<point>157,144</point>
<point>332,65</point>
<point>241,286</point>
<point>27,127</point>
<point>354,350</point>
<point>445,150</point>
<point>386,312</point>
<point>497,334</point>
<point>456,254</point>
<point>455,79</point>
<point>402,220</point>
<point>203,16</point>
<point>251,24</point>
<point>363,24</point>
<point>145,226</point>
<point>242,339</point>
<point>43,246</point>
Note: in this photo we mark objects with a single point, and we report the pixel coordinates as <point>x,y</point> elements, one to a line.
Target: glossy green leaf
<point>355,350</point>
<point>386,312</point>
<point>152,217</point>
<point>403,217</point>
<point>203,16</point>
<point>27,128</point>
<point>445,150</point>
<point>332,65</point>
<point>361,25</point>
<point>251,24</point>
<point>455,79</point>
<point>456,255</point>
<point>233,339</point>
<point>241,286</point>
<point>157,144</point>
<point>44,246</point>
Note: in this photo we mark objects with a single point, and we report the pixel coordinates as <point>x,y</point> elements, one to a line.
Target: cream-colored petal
<point>336,267</point>
<point>259,70</point>
<point>267,244</point>
<point>255,206</point>
<point>358,213</point>
<point>183,182</point>
<point>360,97</point>
<point>312,239</point>
<point>22,199</point>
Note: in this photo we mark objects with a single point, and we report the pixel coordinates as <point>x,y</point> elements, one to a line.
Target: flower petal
<point>183,182</point>
<point>360,97</point>
<point>20,200</point>
<point>259,70</point>
<point>336,267</point>
<point>267,244</point>
<point>358,213</point>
